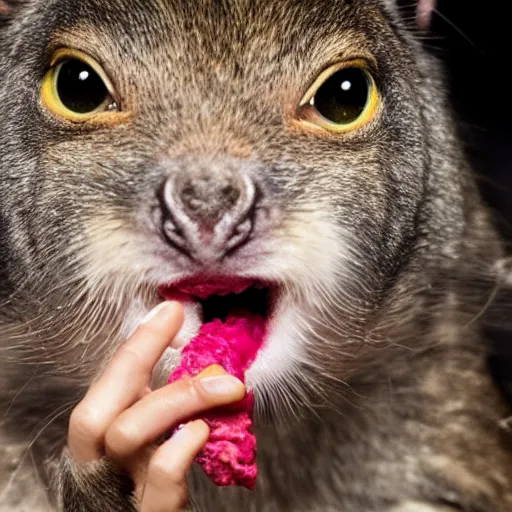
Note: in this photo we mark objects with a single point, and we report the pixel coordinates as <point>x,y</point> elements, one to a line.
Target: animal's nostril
<point>187,192</point>
<point>230,194</point>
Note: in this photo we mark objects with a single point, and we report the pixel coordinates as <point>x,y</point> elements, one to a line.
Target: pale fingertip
<point>191,433</point>
<point>223,386</point>
<point>163,310</point>
<point>201,427</point>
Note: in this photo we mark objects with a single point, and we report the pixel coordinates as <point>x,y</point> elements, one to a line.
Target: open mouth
<point>225,301</point>
<point>253,301</point>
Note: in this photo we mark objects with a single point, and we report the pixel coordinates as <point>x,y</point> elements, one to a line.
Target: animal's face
<point>278,141</point>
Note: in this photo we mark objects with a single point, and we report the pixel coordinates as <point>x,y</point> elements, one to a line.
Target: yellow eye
<point>343,98</point>
<point>76,88</point>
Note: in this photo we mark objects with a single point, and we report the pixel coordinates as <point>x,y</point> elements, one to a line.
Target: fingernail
<point>183,433</point>
<point>166,306</point>
<point>186,431</point>
<point>214,370</point>
<point>224,385</point>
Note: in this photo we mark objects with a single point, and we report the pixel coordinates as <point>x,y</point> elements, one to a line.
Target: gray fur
<point>387,403</point>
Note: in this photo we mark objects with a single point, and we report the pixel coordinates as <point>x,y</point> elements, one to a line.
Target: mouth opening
<point>235,312</point>
<point>227,297</point>
<point>253,301</point>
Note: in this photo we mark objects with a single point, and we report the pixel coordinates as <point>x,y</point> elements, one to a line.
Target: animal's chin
<point>224,300</point>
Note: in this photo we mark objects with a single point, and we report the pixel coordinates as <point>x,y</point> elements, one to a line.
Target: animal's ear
<point>9,10</point>
<point>416,13</point>
<point>5,8</point>
<point>5,11</point>
<point>424,11</point>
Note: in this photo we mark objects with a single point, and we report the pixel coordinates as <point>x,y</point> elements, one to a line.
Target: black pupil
<point>343,96</point>
<point>80,88</point>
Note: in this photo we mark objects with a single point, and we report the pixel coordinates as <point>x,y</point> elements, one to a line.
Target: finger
<point>166,483</point>
<point>122,382</point>
<point>155,414</point>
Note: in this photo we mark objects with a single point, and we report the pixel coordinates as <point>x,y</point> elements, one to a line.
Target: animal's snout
<point>204,198</point>
<point>207,209</point>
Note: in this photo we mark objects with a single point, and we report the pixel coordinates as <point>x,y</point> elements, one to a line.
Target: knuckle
<point>187,391</point>
<point>85,423</point>
<point>120,441</point>
<point>129,355</point>
<point>196,392</point>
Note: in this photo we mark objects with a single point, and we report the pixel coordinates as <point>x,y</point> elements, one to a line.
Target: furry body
<point>373,393</point>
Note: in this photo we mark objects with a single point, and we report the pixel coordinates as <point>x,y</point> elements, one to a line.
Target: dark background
<point>474,39</point>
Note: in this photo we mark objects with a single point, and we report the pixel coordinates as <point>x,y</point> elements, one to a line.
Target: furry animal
<point>305,144</point>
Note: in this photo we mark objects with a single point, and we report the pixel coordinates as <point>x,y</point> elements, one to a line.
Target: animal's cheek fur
<point>318,264</point>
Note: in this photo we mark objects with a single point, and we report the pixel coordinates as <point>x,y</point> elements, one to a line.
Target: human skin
<point>121,417</point>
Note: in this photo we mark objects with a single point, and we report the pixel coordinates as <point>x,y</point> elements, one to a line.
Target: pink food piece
<point>229,456</point>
